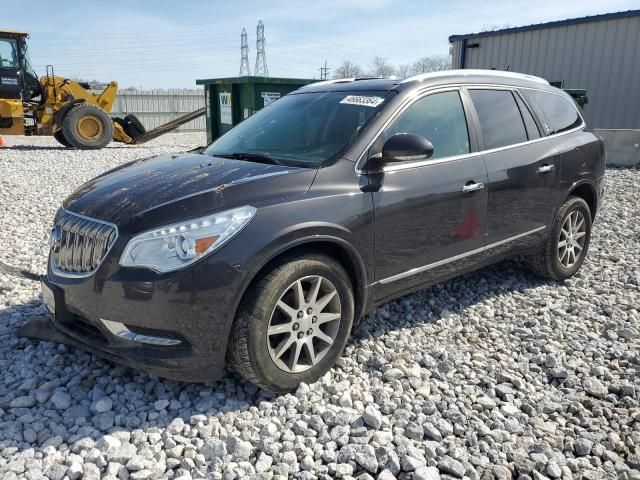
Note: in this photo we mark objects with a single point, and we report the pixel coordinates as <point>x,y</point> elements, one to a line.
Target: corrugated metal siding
<point>601,56</point>
<point>156,107</point>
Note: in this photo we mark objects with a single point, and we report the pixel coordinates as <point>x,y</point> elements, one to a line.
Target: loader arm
<point>62,93</point>
<point>108,97</point>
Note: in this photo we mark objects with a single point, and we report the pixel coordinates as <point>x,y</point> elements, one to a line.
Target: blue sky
<point>168,44</point>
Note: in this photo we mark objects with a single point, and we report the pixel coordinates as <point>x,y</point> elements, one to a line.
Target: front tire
<point>293,323</point>
<point>59,136</point>
<point>87,127</point>
<point>565,249</point>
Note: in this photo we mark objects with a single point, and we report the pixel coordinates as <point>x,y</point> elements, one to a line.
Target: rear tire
<point>262,330</point>
<point>87,127</point>
<point>566,246</point>
<point>59,136</point>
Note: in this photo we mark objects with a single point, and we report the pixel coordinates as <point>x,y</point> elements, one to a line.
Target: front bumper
<point>196,306</point>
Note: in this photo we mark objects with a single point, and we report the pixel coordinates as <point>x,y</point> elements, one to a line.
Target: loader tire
<point>135,123</point>
<point>87,127</point>
<point>59,136</point>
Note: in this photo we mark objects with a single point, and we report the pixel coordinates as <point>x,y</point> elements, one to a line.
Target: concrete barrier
<point>623,147</point>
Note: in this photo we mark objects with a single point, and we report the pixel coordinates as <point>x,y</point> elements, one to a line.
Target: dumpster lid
<point>252,79</point>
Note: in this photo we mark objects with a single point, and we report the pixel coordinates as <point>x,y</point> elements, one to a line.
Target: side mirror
<point>402,147</point>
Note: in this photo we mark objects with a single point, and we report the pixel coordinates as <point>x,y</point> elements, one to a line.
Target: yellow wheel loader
<point>61,107</point>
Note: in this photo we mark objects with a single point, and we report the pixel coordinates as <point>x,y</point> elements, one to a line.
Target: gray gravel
<point>496,374</point>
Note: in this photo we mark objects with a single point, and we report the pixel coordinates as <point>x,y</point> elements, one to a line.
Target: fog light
<point>120,330</point>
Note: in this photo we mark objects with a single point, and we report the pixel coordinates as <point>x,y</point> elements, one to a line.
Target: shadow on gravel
<point>35,148</point>
<point>431,304</point>
<point>52,394</point>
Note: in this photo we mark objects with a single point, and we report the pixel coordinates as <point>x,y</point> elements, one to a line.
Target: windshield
<point>27,61</point>
<point>307,129</point>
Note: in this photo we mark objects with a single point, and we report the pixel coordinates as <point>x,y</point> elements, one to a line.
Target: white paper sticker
<point>364,100</point>
<point>270,97</point>
<point>225,108</point>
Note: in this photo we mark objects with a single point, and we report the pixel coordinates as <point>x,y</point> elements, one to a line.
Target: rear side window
<point>500,120</point>
<point>529,122</point>
<point>560,112</point>
<point>439,118</point>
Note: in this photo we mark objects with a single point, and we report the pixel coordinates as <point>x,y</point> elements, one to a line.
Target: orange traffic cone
<point>1,141</point>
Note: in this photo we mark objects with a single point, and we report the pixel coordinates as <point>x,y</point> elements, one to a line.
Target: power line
<point>244,54</point>
<point>261,69</point>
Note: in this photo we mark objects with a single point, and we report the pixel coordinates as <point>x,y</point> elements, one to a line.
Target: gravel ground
<point>496,374</point>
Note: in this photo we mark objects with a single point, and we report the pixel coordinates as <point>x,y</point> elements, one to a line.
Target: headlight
<point>178,245</point>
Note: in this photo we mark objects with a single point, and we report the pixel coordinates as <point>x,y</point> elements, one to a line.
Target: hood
<point>170,187</point>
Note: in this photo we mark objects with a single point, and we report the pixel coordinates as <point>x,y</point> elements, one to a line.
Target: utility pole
<point>324,71</point>
<point>261,69</point>
<point>244,50</point>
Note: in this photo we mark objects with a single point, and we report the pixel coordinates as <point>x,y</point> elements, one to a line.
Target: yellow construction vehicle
<point>64,108</point>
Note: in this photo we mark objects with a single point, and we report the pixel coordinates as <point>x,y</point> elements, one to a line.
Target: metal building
<point>600,53</point>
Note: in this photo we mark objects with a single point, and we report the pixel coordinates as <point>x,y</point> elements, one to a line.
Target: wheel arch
<point>587,191</point>
<point>59,115</point>
<point>334,247</point>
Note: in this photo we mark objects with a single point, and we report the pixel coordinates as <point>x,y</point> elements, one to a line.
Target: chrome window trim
<point>64,274</point>
<point>438,89</point>
<point>439,263</point>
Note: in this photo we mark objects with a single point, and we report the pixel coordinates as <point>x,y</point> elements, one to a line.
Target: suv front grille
<point>79,244</point>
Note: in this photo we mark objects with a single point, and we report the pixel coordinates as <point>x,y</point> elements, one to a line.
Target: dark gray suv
<point>263,250</point>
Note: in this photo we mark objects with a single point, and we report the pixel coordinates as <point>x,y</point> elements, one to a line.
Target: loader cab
<point>18,80</point>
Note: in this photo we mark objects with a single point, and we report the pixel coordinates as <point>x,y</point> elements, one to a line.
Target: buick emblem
<point>55,238</point>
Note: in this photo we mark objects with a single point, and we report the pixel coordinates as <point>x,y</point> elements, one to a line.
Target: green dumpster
<point>228,101</point>
<point>579,95</point>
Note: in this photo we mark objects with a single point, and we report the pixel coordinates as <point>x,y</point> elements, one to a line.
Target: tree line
<point>380,67</point>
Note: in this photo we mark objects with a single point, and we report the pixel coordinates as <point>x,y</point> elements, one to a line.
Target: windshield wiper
<point>262,157</point>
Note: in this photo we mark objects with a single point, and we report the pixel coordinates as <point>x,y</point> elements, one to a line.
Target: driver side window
<point>8,54</point>
<point>439,118</point>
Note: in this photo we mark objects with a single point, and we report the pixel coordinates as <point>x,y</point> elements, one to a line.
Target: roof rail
<point>347,80</point>
<point>470,71</point>
<point>328,82</point>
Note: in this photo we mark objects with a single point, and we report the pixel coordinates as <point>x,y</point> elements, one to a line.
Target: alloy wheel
<point>573,236</point>
<point>304,324</point>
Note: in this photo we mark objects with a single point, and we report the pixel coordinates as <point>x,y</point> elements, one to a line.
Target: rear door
<point>522,166</point>
<point>429,214</point>
<point>559,115</point>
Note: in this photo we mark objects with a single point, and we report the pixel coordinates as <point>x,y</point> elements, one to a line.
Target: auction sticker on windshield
<point>363,100</point>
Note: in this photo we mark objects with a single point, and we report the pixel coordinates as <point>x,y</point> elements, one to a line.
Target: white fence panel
<point>156,107</point>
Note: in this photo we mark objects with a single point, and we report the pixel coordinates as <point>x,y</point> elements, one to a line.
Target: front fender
<point>59,115</point>
<point>324,236</point>
<point>269,254</point>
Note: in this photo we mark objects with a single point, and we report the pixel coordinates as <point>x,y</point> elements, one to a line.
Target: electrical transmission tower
<point>244,49</point>
<point>261,69</point>
<point>324,71</point>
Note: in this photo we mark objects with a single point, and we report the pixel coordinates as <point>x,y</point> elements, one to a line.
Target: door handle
<point>472,187</point>
<point>546,168</point>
